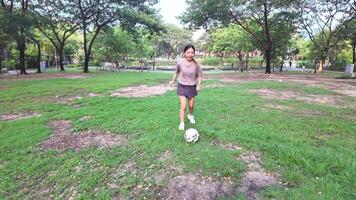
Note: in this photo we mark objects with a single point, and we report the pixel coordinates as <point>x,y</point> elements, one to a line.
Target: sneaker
<point>181,126</point>
<point>191,119</point>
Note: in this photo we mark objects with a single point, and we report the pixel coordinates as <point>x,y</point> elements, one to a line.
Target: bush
<point>10,64</point>
<point>210,61</point>
<point>74,65</point>
<point>340,65</point>
<point>305,63</point>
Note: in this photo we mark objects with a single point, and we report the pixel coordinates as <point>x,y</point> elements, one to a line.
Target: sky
<point>170,9</point>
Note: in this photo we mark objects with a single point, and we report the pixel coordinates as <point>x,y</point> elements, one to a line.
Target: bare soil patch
<point>213,85</point>
<point>94,95</point>
<point>226,145</point>
<point>255,178</point>
<point>44,76</point>
<point>68,99</point>
<point>165,156</point>
<point>276,107</point>
<point>63,138</point>
<point>195,186</point>
<point>85,118</point>
<point>142,91</point>
<point>18,116</point>
<point>342,86</point>
<point>177,185</point>
<point>310,98</point>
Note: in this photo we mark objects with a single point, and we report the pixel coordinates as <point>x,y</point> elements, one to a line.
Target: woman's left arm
<point>199,84</point>
<point>199,78</point>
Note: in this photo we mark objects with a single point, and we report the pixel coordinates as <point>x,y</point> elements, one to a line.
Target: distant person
<point>189,75</point>
<point>290,63</point>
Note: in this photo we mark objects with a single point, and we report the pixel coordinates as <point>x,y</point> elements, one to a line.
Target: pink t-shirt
<point>188,73</point>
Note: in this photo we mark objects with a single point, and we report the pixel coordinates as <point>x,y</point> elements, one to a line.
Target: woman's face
<point>189,54</point>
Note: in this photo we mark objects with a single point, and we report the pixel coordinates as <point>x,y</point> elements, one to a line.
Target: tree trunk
<point>247,58</point>
<point>281,67</point>
<point>268,60</point>
<point>38,58</point>
<point>22,48</point>
<point>353,55</point>
<point>0,64</point>
<point>86,63</point>
<point>1,55</point>
<point>240,65</point>
<point>60,54</point>
<point>321,64</point>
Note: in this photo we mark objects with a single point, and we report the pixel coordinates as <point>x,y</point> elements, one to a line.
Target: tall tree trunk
<point>86,63</point>
<point>268,60</point>
<point>60,54</point>
<point>38,58</point>
<point>354,54</point>
<point>268,50</point>
<point>281,66</point>
<point>21,45</point>
<point>247,59</point>
<point>321,65</point>
<point>0,64</point>
<point>1,56</point>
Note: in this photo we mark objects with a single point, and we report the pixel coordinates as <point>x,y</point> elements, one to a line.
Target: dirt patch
<point>342,86</point>
<point>44,76</point>
<point>85,118</point>
<point>18,116</point>
<point>68,100</point>
<point>255,178</point>
<point>63,138</point>
<point>213,85</point>
<point>275,107</point>
<point>94,95</point>
<point>142,91</point>
<point>195,186</point>
<point>226,145</point>
<point>176,185</point>
<point>308,113</point>
<point>310,98</point>
<point>165,156</point>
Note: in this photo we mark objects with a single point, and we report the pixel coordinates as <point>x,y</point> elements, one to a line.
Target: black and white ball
<point>191,135</point>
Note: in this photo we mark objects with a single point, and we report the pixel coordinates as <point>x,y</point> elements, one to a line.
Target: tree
<point>96,14</point>
<point>318,19</point>
<point>347,31</point>
<point>233,39</point>
<point>204,42</point>
<point>282,29</point>
<point>113,45</point>
<point>56,24</point>
<point>243,13</point>
<point>173,40</point>
<point>18,24</point>
<point>5,38</point>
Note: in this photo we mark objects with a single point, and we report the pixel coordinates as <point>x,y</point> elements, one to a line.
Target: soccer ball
<point>191,135</point>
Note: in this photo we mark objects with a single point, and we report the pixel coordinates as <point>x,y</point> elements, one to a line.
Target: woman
<point>189,75</point>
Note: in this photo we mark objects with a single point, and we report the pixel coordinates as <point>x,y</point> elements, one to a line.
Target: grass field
<point>309,148</point>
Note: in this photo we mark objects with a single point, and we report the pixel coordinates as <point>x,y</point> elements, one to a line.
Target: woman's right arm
<point>176,72</point>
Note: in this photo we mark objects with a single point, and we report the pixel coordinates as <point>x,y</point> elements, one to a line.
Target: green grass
<point>315,155</point>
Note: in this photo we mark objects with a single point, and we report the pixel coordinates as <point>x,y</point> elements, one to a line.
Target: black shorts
<point>187,91</point>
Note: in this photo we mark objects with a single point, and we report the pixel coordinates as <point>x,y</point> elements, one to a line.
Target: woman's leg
<point>191,105</point>
<point>183,105</point>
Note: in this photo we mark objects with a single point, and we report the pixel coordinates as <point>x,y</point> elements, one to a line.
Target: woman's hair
<point>188,47</point>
